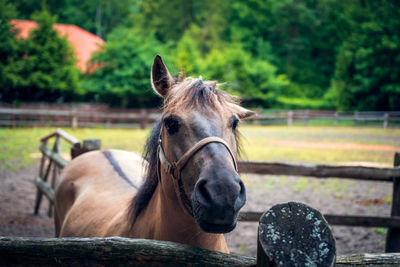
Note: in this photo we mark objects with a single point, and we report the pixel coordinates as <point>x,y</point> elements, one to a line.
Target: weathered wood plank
<point>367,259</point>
<point>349,220</point>
<point>393,234</point>
<point>60,161</point>
<point>110,251</point>
<point>320,171</point>
<point>45,188</point>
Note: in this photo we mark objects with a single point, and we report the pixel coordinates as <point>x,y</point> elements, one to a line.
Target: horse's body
<point>95,200</point>
<point>83,194</point>
<point>193,198</point>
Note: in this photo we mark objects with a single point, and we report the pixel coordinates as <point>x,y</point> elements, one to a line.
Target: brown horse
<point>191,192</point>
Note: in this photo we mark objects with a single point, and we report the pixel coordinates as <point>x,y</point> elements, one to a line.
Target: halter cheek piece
<point>175,168</point>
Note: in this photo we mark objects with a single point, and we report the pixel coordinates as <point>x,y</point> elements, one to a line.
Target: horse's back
<point>96,189</point>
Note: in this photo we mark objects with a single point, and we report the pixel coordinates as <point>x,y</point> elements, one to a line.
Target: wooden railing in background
<point>87,116</point>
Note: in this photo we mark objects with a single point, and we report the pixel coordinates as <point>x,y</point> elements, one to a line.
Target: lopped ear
<point>242,112</point>
<point>161,80</point>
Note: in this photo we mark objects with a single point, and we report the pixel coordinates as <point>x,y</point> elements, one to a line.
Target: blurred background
<point>324,67</point>
<point>286,54</point>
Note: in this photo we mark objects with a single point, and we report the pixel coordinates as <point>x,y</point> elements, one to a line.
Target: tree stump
<point>294,234</point>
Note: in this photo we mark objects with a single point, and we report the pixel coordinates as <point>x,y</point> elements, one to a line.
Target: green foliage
<point>98,17</point>
<point>187,56</point>
<point>123,77</point>
<point>368,64</point>
<point>281,54</point>
<point>10,50</point>
<point>39,68</point>
<point>254,80</point>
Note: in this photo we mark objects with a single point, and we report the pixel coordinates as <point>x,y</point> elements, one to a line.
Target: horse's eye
<point>234,123</point>
<point>172,124</point>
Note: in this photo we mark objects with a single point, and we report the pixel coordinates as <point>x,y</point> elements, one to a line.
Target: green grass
<point>263,143</point>
<point>19,145</point>
<point>266,143</point>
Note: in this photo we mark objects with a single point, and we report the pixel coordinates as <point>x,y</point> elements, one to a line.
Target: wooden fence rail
<point>109,251</point>
<point>321,171</point>
<point>127,118</point>
<point>297,246</point>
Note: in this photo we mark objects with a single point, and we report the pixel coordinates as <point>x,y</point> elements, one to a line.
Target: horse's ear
<point>245,113</point>
<point>161,80</point>
<point>242,112</point>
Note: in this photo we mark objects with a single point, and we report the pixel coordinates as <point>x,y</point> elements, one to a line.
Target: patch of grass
<point>267,143</point>
<point>388,199</point>
<point>335,187</point>
<point>242,248</point>
<point>262,143</point>
<point>381,231</point>
<point>269,183</point>
<point>19,144</point>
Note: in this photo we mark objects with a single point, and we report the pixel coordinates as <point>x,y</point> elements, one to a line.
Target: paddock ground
<point>331,145</point>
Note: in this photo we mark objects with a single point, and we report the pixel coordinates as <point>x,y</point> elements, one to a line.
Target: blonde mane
<point>194,93</point>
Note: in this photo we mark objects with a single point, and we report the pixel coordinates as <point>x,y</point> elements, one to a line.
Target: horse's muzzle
<point>216,201</point>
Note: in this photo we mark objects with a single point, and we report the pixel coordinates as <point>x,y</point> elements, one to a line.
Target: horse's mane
<point>185,94</point>
<point>146,191</point>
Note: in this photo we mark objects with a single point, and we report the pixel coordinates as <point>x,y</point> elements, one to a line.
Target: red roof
<point>83,42</point>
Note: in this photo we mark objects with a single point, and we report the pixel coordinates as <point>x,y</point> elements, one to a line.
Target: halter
<point>175,168</point>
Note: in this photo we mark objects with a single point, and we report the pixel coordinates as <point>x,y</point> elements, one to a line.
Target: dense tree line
<point>274,54</point>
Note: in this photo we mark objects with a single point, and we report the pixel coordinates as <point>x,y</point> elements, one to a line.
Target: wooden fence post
<point>336,118</point>
<point>143,119</point>
<point>51,163</point>
<point>290,118</point>
<point>307,117</point>
<point>56,149</point>
<point>38,192</point>
<point>74,120</point>
<point>385,120</point>
<point>294,234</point>
<point>355,118</point>
<point>393,234</point>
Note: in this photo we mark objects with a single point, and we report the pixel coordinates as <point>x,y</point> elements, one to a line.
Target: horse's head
<point>198,147</point>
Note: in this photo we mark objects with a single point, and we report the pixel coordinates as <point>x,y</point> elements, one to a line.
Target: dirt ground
<point>333,196</point>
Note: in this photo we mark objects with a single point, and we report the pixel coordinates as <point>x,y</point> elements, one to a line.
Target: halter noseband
<point>175,168</point>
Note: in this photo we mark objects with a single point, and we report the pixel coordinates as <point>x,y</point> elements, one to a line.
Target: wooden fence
<point>75,117</point>
<point>307,245</point>
<point>265,168</point>
<point>387,118</point>
<point>118,251</point>
<point>87,116</point>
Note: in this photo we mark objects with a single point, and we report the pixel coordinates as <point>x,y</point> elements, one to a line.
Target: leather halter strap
<point>175,168</point>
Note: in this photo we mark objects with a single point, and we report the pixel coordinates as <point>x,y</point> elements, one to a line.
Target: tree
<point>254,80</point>
<point>368,64</point>
<point>123,77</point>
<point>10,52</point>
<point>43,69</point>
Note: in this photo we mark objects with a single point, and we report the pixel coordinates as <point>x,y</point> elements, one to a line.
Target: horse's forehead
<point>205,117</point>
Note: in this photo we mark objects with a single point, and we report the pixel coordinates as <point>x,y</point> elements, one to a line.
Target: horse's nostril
<point>202,191</point>
<point>242,188</point>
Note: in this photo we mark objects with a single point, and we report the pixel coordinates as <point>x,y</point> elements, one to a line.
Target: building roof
<point>83,42</point>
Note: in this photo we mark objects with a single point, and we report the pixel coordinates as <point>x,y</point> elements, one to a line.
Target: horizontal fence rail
<point>88,116</point>
<point>344,220</point>
<point>140,252</point>
<point>320,171</point>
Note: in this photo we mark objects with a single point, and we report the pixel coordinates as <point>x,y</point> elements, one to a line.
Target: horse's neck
<point>165,219</point>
